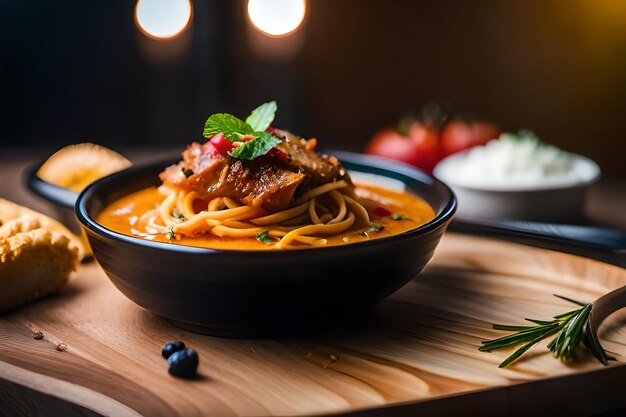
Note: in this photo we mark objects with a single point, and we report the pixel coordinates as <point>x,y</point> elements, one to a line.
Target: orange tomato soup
<point>409,212</point>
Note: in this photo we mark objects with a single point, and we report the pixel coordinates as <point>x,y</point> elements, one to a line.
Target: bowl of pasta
<point>258,233</point>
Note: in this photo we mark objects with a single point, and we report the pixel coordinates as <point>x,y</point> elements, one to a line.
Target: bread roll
<point>37,255</point>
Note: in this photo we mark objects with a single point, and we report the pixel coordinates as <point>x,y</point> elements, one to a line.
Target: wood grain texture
<point>418,347</point>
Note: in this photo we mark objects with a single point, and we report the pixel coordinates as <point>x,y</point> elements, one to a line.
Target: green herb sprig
<point>262,117</point>
<point>375,227</point>
<point>256,147</point>
<point>264,237</point>
<point>177,215</point>
<point>187,172</point>
<point>571,328</point>
<point>235,130</point>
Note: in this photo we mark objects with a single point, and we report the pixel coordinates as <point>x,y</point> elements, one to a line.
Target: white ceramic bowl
<point>561,202</point>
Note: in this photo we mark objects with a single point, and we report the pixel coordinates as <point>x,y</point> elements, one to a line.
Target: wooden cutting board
<point>416,353</point>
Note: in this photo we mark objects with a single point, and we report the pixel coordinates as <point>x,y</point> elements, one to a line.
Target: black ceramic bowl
<point>256,293</point>
<point>62,200</point>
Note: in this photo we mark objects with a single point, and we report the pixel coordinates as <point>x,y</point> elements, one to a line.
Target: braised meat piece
<point>265,181</point>
<point>319,169</point>
<point>198,171</point>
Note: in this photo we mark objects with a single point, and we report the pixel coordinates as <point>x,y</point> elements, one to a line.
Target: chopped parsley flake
<point>375,227</point>
<point>177,215</point>
<point>169,233</point>
<point>264,237</point>
<point>399,216</point>
<point>187,172</point>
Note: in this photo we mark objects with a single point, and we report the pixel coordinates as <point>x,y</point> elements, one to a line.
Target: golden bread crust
<point>10,211</point>
<point>37,255</point>
<point>76,166</point>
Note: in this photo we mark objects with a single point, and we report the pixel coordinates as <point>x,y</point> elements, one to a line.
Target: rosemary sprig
<point>571,329</point>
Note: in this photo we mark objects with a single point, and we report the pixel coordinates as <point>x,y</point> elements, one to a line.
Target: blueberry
<point>172,347</point>
<point>183,363</point>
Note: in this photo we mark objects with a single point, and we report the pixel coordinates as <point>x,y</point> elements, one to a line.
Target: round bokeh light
<point>277,17</point>
<point>163,19</point>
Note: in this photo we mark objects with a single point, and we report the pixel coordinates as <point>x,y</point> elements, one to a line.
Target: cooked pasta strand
<point>317,229</point>
<point>251,213</point>
<point>230,203</point>
<point>216,204</point>
<point>363,217</point>
<point>165,210</point>
<point>223,231</point>
<point>324,210</point>
<point>341,203</point>
<point>322,189</point>
<point>187,206</point>
<point>312,213</point>
<point>297,221</point>
<point>199,221</point>
<point>281,216</point>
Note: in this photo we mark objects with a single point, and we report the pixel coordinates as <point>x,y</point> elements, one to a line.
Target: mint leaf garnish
<point>258,146</point>
<point>255,141</point>
<point>261,117</point>
<point>232,127</point>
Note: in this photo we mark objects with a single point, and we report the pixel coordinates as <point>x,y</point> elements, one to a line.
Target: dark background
<point>72,71</point>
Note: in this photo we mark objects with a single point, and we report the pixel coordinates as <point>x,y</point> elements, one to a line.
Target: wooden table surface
<point>376,382</point>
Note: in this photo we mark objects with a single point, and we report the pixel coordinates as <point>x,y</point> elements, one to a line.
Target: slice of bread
<point>77,166</point>
<point>37,255</point>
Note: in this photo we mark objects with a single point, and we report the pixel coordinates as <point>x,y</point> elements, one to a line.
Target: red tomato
<point>457,136</point>
<point>419,148</point>
<point>221,144</point>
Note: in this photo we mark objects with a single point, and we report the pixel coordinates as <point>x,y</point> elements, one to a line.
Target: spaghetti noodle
<point>328,209</point>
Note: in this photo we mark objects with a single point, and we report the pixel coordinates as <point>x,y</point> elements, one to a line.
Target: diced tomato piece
<point>279,154</point>
<point>209,149</point>
<point>379,212</point>
<point>311,144</point>
<point>221,144</point>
